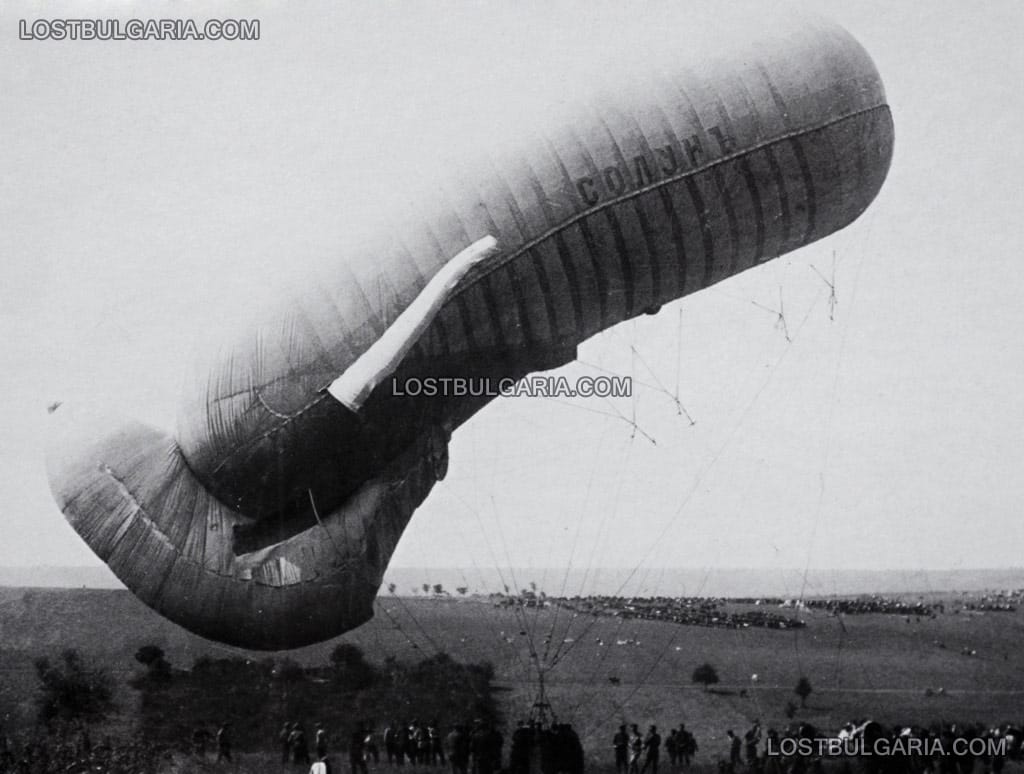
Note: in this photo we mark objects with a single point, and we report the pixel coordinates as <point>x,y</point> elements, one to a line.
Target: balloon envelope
<point>268,517</point>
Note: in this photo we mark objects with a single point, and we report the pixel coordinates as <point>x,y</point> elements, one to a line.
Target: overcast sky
<point>150,190</point>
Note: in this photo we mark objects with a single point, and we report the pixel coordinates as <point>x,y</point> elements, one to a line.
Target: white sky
<point>150,191</point>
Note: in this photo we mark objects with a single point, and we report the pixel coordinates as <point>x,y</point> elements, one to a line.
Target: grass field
<point>877,666</point>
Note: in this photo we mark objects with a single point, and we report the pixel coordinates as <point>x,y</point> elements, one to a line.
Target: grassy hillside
<point>864,665</point>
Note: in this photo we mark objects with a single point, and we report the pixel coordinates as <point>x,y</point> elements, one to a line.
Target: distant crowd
<point>689,611</point>
<point>876,604</point>
<point>715,612</point>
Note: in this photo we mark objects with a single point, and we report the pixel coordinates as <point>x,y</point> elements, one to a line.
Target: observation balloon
<point>267,519</point>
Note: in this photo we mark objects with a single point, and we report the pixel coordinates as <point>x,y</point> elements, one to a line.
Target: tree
<point>438,589</point>
<point>351,669</point>
<point>462,590</point>
<point>426,588</point>
<point>391,588</point>
<point>803,690</point>
<point>149,654</point>
<point>705,675</point>
<point>71,690</point>
<point>158,668</point>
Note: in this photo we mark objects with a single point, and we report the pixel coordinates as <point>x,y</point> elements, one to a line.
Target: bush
<point>148,655</point>
<point>705,675</point>
<point>257,696</point>
<point>72,690</point>
<point>158,669</point>
<point>350,668</point>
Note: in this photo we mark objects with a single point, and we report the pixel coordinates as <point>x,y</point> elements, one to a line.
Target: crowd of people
<point>545,748</point>
<point>722,611</point>
<point>475,747</point>
<point>875,604</point>
<point>690,611</point>
<point>637,753</point>
<point>990,606</point>
<point>944,748</point>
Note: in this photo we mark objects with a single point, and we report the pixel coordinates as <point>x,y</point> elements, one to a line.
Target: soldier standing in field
<point>672,748</point>
<point>519,750</point>
<point>620,743</point>
<point>436,743</point>
<point>284,740</point>
<point>652,747</point>
<point>457,743</point>
<point>753,741</point>
<point>299,744</point>
<point>320,741</point>
<point>224,743</point>
<point>401,743</point>
<point>636,747</point>
<point>735,747</point>
<point>687,746</point>
<point>357,750</point>
<point>370,749</point>
<point>389,742</point>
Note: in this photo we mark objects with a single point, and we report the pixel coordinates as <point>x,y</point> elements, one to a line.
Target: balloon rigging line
<point>607,513</point>
<point>724,445</point>
<point>636,355</point>
<point>780,315</point>
<point>661,655</point>
<point>501,635</point>
<point>679,406</point>
<point>517,590</point>
<point>632,372</point>
<point>679,355</point>
<point>594,619</point>
<point>472,558</point>
<point>497,566</point>
<point>641,383</point>
<point>826,452</point>
<point>617,415</point>
<point>417,624</point>
<point>572,554</point>
<point>833,302</point>
<point>398,626</point>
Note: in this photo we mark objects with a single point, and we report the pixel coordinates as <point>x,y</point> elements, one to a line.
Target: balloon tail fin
<point>383,357</point>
